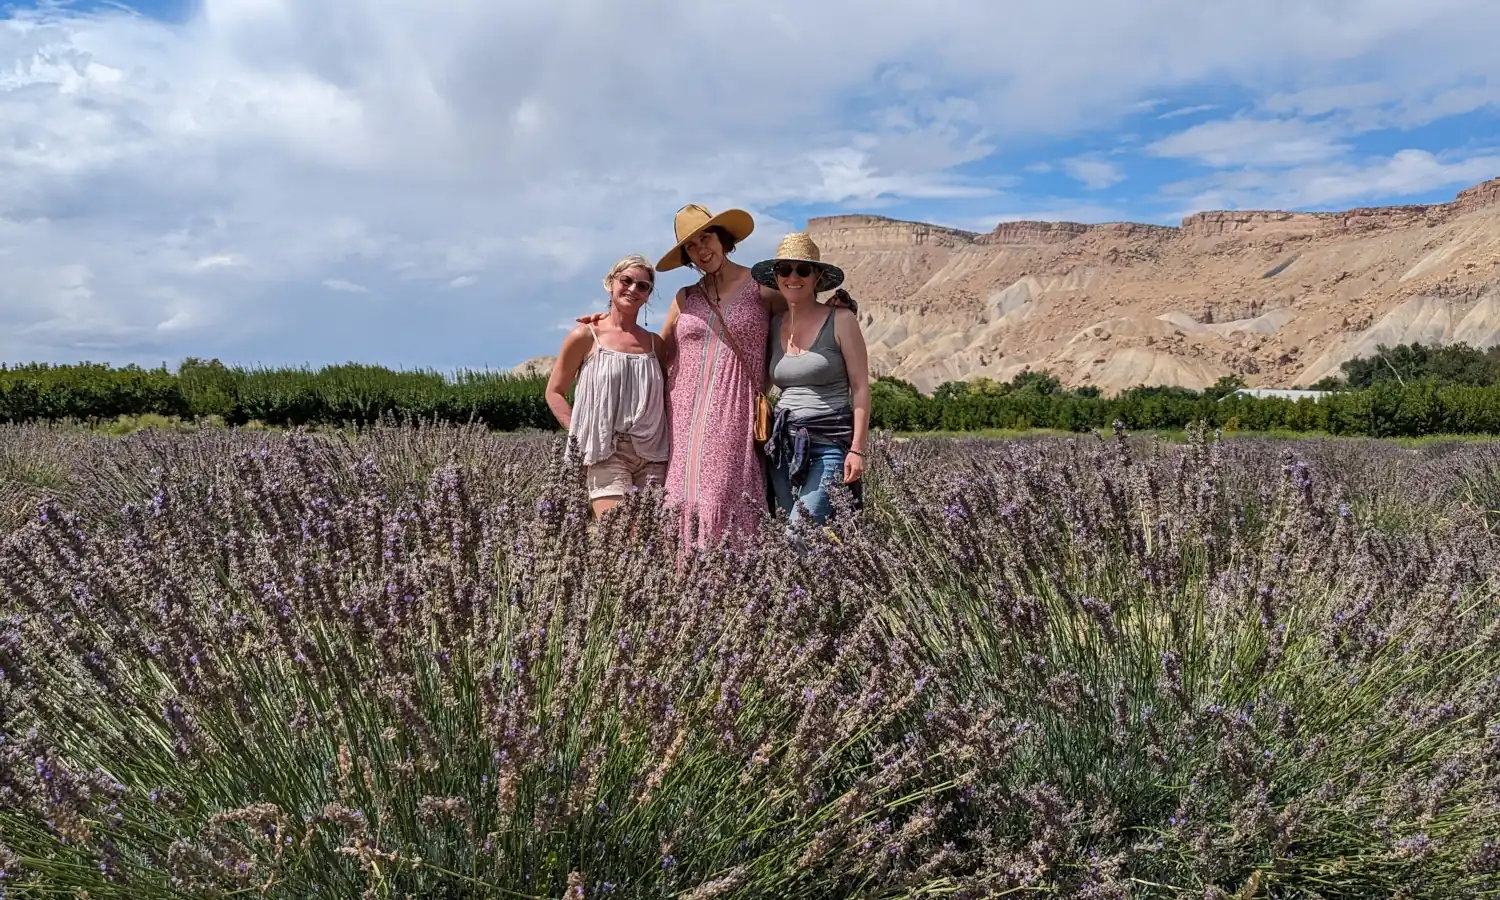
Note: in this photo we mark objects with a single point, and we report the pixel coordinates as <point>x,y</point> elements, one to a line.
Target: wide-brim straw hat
<point>692,219</point>
<point>798,247</point>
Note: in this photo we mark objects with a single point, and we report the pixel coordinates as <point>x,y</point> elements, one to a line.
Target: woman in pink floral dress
<point>715,337</point>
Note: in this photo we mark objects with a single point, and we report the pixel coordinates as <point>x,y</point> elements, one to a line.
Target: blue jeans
<point>825,468</point>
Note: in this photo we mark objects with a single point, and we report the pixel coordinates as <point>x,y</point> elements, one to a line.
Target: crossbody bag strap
<point>724,332</point>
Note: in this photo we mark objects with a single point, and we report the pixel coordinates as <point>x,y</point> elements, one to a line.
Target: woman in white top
<point>619,412</point>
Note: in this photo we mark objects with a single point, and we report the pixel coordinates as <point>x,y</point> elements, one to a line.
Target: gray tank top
<point>814,380</point>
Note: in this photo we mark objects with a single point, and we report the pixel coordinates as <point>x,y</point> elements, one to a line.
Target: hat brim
<point>737,222</point>
<point>765,272</point>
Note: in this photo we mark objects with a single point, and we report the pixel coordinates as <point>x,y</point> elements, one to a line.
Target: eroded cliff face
<point>877,232</point>
<point>1281,298</point>
<point>1479,196</point>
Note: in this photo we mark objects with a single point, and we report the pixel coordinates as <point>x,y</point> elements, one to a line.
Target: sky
<point>443,185</point>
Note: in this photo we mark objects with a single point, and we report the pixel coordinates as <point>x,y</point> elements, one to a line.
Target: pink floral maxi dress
<point>715,468</point>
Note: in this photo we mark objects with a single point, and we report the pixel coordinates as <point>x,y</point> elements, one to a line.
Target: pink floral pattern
<point>715,467</point>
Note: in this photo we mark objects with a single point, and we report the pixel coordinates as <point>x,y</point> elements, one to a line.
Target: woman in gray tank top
<point>818,362</point>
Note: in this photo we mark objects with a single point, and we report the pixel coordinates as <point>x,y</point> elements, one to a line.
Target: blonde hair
<point>633,261</point>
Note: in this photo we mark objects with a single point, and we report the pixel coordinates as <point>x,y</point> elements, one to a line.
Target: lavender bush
<point>400,663</point>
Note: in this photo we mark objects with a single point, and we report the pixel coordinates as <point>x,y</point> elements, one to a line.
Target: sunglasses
<point>630,284</point>
<point>785,269</point>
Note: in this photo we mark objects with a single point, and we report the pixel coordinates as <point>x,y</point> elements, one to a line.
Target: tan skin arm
<point>575,349</point>
<point>669,331</point>
<point>773,300</point>
<point>851,342</point>
<point>660,346</point>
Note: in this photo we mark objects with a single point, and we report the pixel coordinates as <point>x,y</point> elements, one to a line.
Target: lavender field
<point>401,664</point>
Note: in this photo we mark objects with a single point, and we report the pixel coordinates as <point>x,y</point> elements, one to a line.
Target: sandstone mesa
<point>1279,298</point>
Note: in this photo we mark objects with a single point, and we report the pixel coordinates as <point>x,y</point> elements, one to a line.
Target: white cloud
<point>1188,110</point>
<point>192,189</point>
<point>1357,108</point>
<point>1337,185</point>
<point>348,287</point>
<point>1094,174</point>
<point>1251,142</point>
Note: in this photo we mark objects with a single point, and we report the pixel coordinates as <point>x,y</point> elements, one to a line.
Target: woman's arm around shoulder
<point>773,299</point>
<point>659,347</point>
<point>575,349</point>
<point>669,330</point>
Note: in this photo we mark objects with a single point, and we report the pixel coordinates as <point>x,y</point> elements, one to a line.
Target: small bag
<point>762,418</point>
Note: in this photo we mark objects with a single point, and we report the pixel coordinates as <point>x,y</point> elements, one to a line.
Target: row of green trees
<point>1453,364</point>
<point>282,397</point>
<point>1408,390</point>
<point>1382,410</point>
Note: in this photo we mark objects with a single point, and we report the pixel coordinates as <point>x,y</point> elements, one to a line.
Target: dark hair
<point>726,241</point>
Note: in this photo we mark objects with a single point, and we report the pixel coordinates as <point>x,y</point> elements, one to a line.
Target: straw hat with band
<point>798,248</point>
<point>693,219</point>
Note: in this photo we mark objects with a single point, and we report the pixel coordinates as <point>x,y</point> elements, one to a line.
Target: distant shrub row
<point>1387,407</point>
<point>331,395</point>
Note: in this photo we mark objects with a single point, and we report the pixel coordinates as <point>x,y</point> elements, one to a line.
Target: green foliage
<point>1406,391</point>
<point>87,391</point>
<point>1036,382</point>
<point>208,387</point>
<point>343,394</point>
<point>1406,363</point>
<point>1225,386</point>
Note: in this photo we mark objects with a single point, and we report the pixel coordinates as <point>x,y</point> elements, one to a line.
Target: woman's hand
<point>840,299</point>
<point>592,318</point>
<point>854,467</point>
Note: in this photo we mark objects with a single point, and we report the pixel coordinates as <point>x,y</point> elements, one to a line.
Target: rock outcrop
<point>1280,298</point>
<point>537,365</point>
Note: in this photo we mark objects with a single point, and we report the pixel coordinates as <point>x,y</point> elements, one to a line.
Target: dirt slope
<point>1279,297</point>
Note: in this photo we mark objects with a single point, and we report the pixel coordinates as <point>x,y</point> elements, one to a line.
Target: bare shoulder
<point>576,344</point>
<point>575,349</point>
<point>846,330</point>
<point>845,318</point>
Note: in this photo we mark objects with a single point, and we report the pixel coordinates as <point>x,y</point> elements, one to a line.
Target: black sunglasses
<point>785,269</point>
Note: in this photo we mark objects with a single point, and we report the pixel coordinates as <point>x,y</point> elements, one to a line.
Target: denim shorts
<point>825,473</point>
